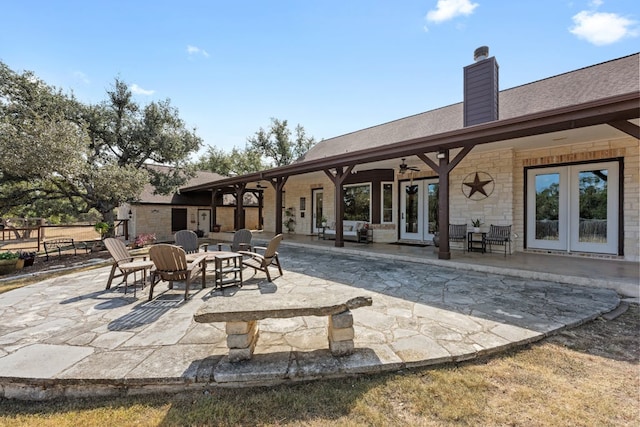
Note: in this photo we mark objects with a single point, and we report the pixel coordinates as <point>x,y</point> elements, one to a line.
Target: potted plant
<point>199,233</point>
<point>290,220</point>
<point>290,223</point>
<point>27,257</point>
<point>8,261</point>
<point>476,223</point>
<point>216,228</point>
<point>323,221</point>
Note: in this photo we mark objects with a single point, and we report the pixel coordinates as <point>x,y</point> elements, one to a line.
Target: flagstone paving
<point>68,336</point>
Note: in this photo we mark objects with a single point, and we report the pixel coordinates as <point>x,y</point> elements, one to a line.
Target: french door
<point>418,209</point>
<point>317,196</point>
<point>574,208</point>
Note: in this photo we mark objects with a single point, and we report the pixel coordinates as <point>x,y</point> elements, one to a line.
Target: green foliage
<point>63,157</point>
<point>275,143</point>
<point>476,222</point>
<point>237,162</point>
<point>103,228</point>
<point>290,219</point>
<point>9,255</point>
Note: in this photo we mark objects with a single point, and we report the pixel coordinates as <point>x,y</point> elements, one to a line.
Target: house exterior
<point>163,215</point>
<point>556,159</point>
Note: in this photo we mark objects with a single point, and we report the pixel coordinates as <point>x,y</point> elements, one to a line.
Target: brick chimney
<point>481,89</point>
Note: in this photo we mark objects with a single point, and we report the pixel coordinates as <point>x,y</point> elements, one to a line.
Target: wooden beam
<point>626,127</point>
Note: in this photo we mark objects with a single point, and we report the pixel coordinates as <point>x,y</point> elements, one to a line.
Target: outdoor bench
<point>63,244</point>
<point>242,314</point>
<point>350,230</point>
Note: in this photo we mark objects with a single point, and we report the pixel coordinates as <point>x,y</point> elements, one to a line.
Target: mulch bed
<point>57,262</point>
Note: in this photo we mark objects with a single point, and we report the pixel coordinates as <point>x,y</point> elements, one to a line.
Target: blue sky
<point>331,66</point>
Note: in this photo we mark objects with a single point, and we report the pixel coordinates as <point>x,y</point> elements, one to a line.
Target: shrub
<point>9,255</point>
<point>144,239</point>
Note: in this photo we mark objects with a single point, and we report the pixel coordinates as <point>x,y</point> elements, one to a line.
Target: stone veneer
<point>504,206</point>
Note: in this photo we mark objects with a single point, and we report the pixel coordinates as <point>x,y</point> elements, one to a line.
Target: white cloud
<point>194,50</point>
<point>79,75</point>
<point>140,91</point>
<point>449,9</point>
<point>601,28</point>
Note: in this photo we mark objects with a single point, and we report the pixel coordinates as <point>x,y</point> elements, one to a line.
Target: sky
<point>333,67</point>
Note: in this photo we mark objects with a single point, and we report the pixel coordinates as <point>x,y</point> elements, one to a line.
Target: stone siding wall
<point>626,148</point>
<point>504,206</point>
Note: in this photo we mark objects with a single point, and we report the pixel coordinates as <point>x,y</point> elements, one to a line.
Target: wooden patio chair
<point>241,241</point>
<point>499,235</point>
<point>262,261</point>
<point>188,240</point>
<point>125,263</point>
<point>171,265</point>
<point>458,233</point>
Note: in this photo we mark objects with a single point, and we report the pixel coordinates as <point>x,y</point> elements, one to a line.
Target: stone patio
<point>68,336</point>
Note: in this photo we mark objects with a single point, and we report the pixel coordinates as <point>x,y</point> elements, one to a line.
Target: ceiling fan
<point>405,167</point>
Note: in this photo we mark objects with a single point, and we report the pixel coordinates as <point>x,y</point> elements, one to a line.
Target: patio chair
<point>188,240</point>
<point>125,263</point>
<point>458,233</point>
<point>171,265</point>
<point>262,261</point>
<point>499,235</point>
<point>241,241</point>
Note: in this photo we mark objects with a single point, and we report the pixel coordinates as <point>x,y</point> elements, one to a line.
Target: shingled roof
<point>615,77</point>
<point>201,177</point>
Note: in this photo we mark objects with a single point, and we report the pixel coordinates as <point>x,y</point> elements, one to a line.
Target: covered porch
<point>617,274</point>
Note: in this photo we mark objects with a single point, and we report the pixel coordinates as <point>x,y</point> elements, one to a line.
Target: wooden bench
<point>63,244</point>
<point>242,314</point>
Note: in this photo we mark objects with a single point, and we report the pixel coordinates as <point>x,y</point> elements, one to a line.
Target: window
<point>387,202</point>
<point>357,202</point>
<point>178,219</point>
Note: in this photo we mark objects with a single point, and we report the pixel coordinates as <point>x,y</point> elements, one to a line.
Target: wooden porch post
<point>337,179</point>
<point>240,188</point>
<point>278,185</point>
<point>443,168</point>
<point>214,211</point>
<point>444,251</point>
<point>260,207</point>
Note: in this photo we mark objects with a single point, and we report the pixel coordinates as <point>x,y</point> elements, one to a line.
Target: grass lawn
<point>587,376</point>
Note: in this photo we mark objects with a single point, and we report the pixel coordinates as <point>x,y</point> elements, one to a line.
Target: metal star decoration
<point>478,186</point>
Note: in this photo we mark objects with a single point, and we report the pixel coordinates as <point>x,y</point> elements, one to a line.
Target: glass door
<point>573,208</point>
<point>594,207</point>
<point>411,210</point>
<point>547,202</point>
<point>418,210</point>
<point>317,210</point>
